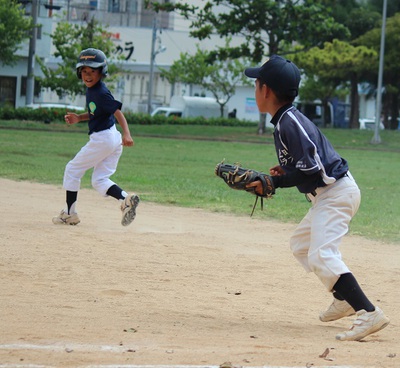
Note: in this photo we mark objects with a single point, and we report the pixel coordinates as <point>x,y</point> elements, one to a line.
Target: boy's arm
<point>126,135</point>
<point>73,118</point>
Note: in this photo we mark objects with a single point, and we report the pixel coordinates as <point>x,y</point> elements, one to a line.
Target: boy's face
<point>90,76</point>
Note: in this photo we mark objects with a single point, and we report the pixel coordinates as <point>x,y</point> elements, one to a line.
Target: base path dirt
<point>178,286</point>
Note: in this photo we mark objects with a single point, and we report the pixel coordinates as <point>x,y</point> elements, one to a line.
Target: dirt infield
<point>177,287</point>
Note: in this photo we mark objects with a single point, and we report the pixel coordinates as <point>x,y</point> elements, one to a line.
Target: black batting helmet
<point>92,58</point>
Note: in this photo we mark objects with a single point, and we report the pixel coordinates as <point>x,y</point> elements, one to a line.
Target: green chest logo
<point>92,107</point>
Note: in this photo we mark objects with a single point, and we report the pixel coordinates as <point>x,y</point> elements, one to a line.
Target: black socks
<point>115,191</point>
<point>347,288</point>
<point>71,199</point>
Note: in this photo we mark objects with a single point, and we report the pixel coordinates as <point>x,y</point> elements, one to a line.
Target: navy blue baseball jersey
<point>300,145</point>
<point>101,107</point>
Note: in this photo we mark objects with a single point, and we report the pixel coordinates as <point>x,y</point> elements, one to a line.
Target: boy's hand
<point>276,171</point>
<point>127,140</point>
<point>71,118</point>
<point>257,186</point>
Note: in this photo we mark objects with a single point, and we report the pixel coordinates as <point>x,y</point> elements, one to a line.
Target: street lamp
<point>153,55</point>
<point>376,139</point>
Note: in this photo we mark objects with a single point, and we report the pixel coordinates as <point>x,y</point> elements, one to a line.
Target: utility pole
<point>153,55</point>
<point>152,59</point>
<point>376,139</point>
<point>30,81</point>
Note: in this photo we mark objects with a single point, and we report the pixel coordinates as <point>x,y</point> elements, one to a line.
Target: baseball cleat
<point>365,324</point>
<point>65,219</point>
<point>128,208</point>
<point>338,309</point>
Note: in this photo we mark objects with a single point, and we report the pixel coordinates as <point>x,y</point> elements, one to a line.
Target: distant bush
<point>45,115</point>
<point>54,115</point>
<point>145,119</point>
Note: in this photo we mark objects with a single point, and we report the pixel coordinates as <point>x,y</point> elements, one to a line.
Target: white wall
<point>20,69</point>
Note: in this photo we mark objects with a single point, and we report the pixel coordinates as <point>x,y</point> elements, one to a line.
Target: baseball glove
<point>239,178</point>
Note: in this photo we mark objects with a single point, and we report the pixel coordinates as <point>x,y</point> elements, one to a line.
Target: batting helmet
<point>92,58</point>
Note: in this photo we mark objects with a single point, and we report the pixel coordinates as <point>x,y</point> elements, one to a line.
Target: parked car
<point>369,124</point>
<point>190,107</point>
<point>167,111</point>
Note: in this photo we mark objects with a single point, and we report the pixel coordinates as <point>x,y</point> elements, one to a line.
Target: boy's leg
<point>300,241</point>
<point>75,169</point>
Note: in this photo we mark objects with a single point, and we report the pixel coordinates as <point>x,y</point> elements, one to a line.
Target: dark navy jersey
<point>300,145</point>
<point>101,107</point>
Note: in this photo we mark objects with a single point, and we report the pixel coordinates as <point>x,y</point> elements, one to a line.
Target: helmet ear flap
<point>104,70</point>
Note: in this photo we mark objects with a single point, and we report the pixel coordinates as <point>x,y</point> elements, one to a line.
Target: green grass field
<point>174,165</point>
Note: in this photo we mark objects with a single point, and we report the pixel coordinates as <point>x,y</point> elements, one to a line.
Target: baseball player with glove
<point>104,148</point>
<point>308,161</point>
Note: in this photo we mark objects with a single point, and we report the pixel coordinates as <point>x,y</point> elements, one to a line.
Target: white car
<point>55,106</point>
<point>167,111</point>
<point>369,124</point>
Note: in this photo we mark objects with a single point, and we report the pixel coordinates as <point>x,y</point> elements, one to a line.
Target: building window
<point>113,6</point>
<point>8,86</point>
<point>131,6</point>
<point>23,87</point>
<point>39,32</point>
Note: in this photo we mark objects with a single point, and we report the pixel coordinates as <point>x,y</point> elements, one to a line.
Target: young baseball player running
<point>104,148</point>
<point>308,161</point>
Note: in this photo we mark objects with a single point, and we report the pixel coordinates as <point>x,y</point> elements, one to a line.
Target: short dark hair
<point>280,96</point>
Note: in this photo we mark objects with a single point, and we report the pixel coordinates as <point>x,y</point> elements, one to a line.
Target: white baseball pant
<point>315,242</point>
<point>102,153</point>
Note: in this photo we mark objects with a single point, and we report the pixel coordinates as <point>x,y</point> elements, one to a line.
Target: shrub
<point>48,115</point>
<point>45,115</point>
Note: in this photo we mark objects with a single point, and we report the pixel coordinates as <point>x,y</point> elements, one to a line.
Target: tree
<point>220,78</point>
<point>356,17</point>
<point>338,62</point>
<point>69,40</point>
<point>14,29</point>
<point>268,26</point>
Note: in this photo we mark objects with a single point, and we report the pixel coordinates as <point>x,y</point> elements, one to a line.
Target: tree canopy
<point>268,26</point>
<point>14,29</point>
<point>336,63</point>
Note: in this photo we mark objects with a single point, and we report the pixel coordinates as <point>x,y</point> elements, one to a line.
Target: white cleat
<point>65,219</point>
<point>338,309</point>
<point>365,324</point>
<point>128,208</point>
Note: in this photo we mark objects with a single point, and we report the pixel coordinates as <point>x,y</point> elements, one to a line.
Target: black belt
<point>314,193</point>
